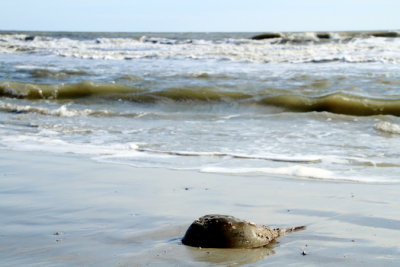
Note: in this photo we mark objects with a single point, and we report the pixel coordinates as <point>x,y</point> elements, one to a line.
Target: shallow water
<point>297,105</point>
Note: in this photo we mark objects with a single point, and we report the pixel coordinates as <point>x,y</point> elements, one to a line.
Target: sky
<point>199,15</point>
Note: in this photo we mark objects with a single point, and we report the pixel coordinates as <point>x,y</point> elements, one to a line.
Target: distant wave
<point>174,38</point>
<point>304,47</point>
<point>339,103</point>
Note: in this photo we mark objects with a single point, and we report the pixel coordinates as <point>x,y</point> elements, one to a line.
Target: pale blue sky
<point>199,15</point>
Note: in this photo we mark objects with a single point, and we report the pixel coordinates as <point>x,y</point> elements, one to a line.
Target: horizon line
<point>142,31</point>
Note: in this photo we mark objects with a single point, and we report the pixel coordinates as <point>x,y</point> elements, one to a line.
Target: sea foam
<point>289,47</point>
<point>387,127</point>
<point>297,170</point>
<point>302,172</point>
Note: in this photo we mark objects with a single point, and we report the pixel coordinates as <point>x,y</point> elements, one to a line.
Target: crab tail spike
<point>289,230</point>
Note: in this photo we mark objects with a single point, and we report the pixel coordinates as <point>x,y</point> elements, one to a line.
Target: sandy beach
<point>67,210</point>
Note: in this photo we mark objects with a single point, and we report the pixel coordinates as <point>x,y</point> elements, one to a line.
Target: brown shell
<point>223,231</point>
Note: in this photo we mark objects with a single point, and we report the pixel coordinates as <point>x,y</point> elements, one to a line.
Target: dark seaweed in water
<point>385,34</point>
<point>263,36</point>
<point>299,38</point>
<point>30,38</point>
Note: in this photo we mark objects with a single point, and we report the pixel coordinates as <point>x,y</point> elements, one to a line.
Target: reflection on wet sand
<point>230,257</point>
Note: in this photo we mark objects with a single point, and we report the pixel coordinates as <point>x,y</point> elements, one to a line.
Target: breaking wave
<point>62,91</point>
<point>340,103</point>
<point>62,111</point>
<point>352,47</point>
<point>68,111</point>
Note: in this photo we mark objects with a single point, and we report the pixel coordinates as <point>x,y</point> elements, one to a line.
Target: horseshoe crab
<point>224,231</point>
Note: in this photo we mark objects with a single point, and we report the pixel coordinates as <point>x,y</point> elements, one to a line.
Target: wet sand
<point>67,210</point>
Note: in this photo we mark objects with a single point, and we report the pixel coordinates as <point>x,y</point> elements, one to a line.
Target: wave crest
<point>339,103</point>
<point>62,91</point>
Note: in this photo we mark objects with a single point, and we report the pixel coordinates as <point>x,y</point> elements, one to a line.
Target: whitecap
<point>387,127</point>
<point>62,111</point>
<point>360,50</point>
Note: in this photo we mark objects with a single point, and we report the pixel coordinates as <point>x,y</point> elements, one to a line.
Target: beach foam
<point>299,171</point>
<point>387,127</point>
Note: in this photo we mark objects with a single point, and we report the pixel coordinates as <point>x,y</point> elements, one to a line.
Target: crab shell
<point>223,231</point>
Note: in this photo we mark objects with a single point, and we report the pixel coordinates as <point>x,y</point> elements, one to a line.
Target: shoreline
<point>65,209</point>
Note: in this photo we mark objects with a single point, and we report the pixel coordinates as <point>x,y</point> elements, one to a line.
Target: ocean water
<point>295,105</point>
